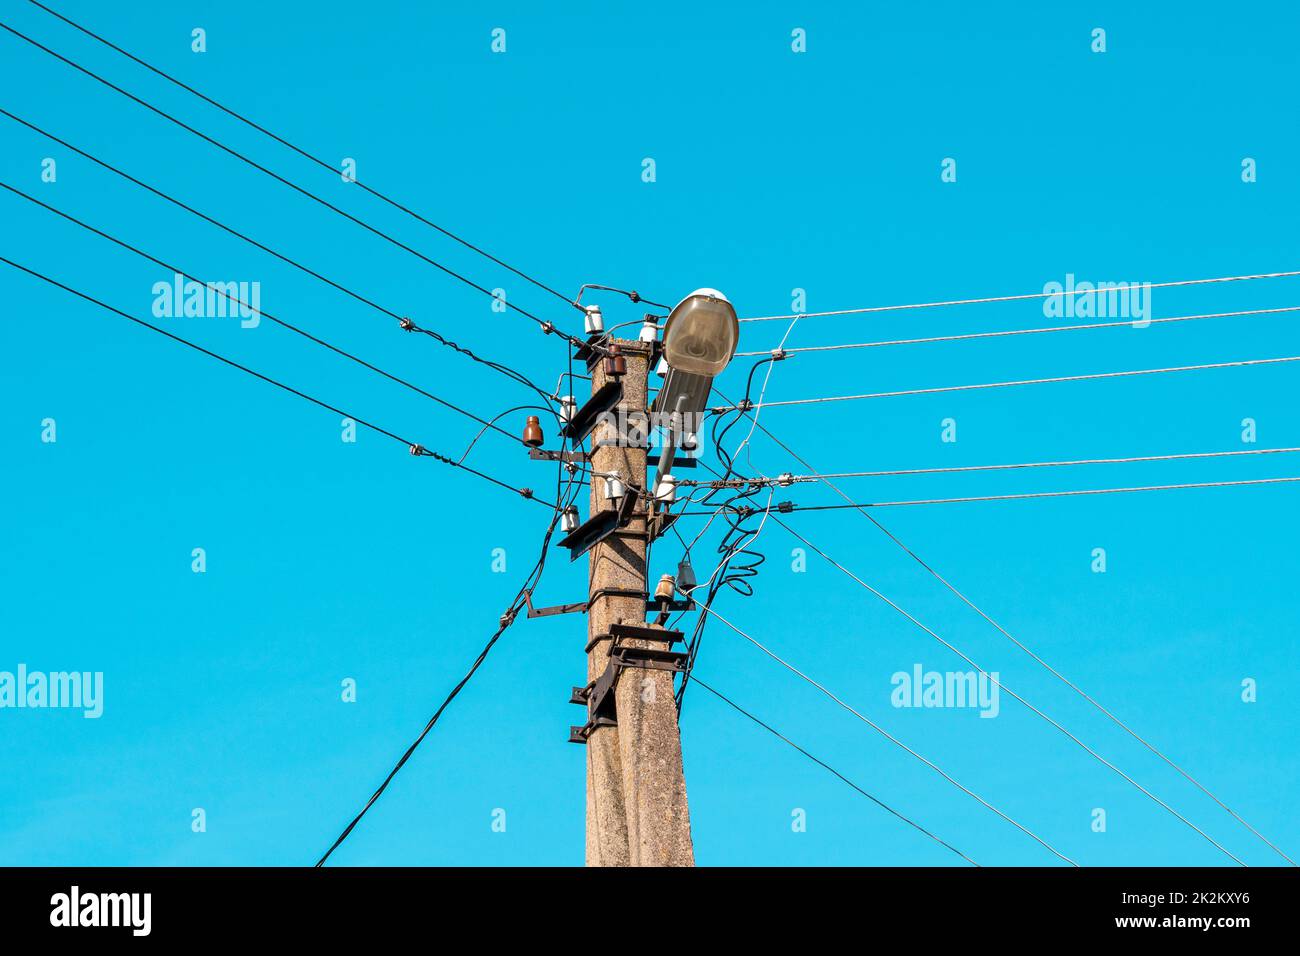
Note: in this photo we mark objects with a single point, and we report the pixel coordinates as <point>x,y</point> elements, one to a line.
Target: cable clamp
<point>419,450</point>
<point>406,324</point>
<point>785,507</point>
<point>779,353</point>
<point>526,492</point>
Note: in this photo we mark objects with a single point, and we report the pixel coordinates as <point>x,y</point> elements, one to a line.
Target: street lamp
<point>700,338</point>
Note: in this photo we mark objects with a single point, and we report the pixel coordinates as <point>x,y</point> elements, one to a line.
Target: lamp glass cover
<point>701,333</point>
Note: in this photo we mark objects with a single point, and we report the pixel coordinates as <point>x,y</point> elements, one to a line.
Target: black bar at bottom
<point>1229,906</point>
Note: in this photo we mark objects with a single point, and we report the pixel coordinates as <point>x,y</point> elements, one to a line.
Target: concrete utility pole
<point>636,789</point>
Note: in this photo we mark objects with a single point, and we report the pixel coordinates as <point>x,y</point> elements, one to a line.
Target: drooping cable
<point>518,603</point>
<point>414,447</point>
<point>262,313</point>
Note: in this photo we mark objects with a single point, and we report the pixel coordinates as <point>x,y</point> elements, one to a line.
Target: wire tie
<point>406,324</point>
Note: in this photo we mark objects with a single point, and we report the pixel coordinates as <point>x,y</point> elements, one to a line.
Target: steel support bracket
<point>602,401</point>
<point>542,454</point>
<point>622,631</point>
<point>599,527</point>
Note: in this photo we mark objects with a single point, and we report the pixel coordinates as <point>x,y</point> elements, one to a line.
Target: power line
<point>516,605</point>
<point>1007,634</point>
<point>403,320</point>
<point>546,326</point>
<point>507,619</point>
<point>414,447</point>
<point>790,506</point>
<point>890,737</point>
<point>1029,381</point>
<point>1017,298</point>
<point>1001,686</point>
<point>994,679</point>
<point>825,766</point>
<point>784,480</point>
<point>235,299</point>
<point>782,352</point>
<point>301,152</point>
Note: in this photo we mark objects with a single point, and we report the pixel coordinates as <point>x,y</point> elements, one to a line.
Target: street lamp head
<point>701,333</point>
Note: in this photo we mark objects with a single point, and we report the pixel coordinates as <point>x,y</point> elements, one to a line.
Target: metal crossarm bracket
<point>599,527</point>
<point>542,454</point>
<point>673,605</point>
<point>643,632</point>
<point>579,735</point>
<point>605,399</point>
<point>648,658</point>
<point>581,606</point>
<point>659,524</point>
<point>554,609</point>
<point>599,695</point>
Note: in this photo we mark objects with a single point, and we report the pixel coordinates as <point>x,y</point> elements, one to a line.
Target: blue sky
<point>775,171</point>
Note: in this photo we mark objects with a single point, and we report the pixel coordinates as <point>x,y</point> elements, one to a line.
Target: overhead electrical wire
<point>517,604</point>
<point>264,314</point>
<point>546,326</point>
<point>631,294</point>
<point>1029,381</point>
<point>825,766</point>
<point>414,447</point>
<point>301,152</point>
<point>788,507</point>
<point>403,321</point>
<point>888,736</point>
<point>788,479</point>
<point>737,542</point>
<point>1003,687</point>
<point>1016,298</point>
<point>1024,647</point>
<point>709,611</point>
<point>1038,712</point>
<point>783,352</point>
